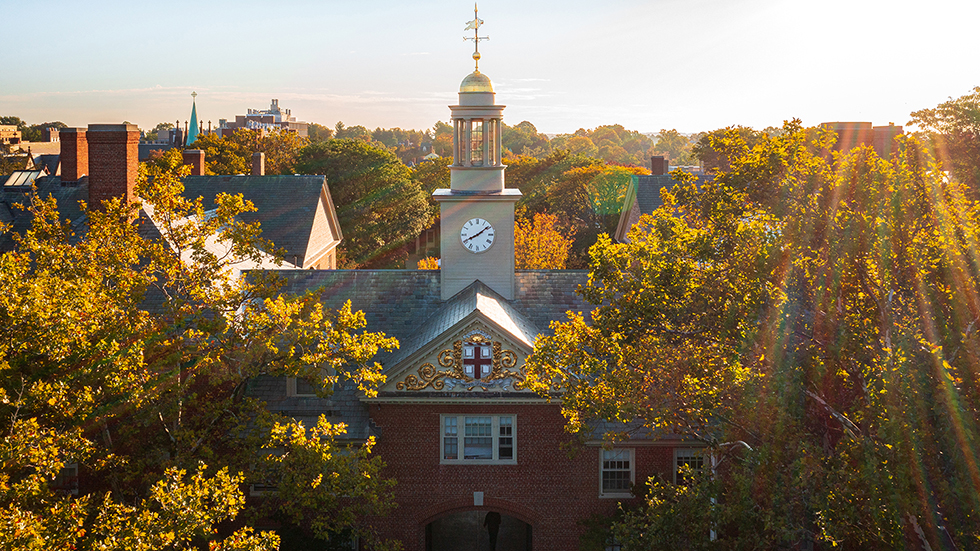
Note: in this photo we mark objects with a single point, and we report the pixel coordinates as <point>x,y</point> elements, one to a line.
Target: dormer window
<point>477,360</point>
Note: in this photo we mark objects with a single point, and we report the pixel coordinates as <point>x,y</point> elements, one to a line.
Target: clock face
<point>476,235</point>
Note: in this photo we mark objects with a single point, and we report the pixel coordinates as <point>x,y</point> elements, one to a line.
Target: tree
<point>813,320</point>
<point>524,139</point>
<point>674,146</point>
<point>130,359</point>
<point>233,154</point>
<point>611,143</point>
<point>432,174</point>
<point>154,134</point>
<point>442,143</point>
<point>318,132</point>
<point>540,245</point>
<point>706,149</point>
<point>342,132</point>
<point>428,263</point>
<point>954,130</point>
<point>380,207</point>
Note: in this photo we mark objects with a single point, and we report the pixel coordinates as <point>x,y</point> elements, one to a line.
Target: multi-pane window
<point>687,463</point>
<point>476,142</point>
<point>617,472</point>
<point>492,141</point>
<point>505,444</point>
<point>484,438</point>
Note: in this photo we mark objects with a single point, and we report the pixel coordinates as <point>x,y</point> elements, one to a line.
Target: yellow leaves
<point>540,245</point>
<point>428,263</point>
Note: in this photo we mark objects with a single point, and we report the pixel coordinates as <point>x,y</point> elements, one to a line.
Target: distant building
<point>854,134</point>
<point>9,134</point>
<point>264,120</point>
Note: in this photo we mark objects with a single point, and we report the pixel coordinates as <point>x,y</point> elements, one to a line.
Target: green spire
<point>192,131</point>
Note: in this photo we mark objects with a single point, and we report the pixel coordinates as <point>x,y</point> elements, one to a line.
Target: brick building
<point>100,162</point>
<point>453,423</point>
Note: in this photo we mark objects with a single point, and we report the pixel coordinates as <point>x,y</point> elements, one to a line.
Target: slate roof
<point>643,197</point>
<point>476,297</point>
<point>407,305</point>
<point>67,197</point>
<point>50,163</point>
<point>286,205</point>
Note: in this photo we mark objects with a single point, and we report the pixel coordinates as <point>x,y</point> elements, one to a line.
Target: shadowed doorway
<point>466,532</point>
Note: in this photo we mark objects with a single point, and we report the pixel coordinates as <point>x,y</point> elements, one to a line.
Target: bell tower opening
<point>477,195</point>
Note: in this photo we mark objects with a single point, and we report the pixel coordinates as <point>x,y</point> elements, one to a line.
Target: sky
<point>693,65</point>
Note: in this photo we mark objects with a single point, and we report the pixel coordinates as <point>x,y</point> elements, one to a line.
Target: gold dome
<point>476,82</point>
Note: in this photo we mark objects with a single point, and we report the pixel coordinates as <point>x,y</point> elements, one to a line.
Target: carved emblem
<point>501,362</point>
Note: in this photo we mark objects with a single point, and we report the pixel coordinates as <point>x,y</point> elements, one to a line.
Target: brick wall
<point>194,158</point>
<point>113,160</point>
<point>548,488</point>
<point>74,154</point>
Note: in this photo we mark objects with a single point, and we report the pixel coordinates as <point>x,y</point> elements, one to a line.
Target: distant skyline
<point>693,65</point>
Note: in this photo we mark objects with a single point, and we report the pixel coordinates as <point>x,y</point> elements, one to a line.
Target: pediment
<point>456,361</point>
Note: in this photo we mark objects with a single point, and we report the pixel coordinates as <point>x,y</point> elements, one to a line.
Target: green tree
<point>954,130</point>
<point>318,132</point>
<point>154,134</point>
<point>380,206</point>
<point>674,146</point>
<point>442,143</point>
<point>233,154</point>
<point>342,132</point>
<point>130,358</point>
<point>813,320</point>
<point>524,139</point>
<point>432,174</point>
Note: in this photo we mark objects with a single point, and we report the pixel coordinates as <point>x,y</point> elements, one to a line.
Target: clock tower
<point>477,212</point>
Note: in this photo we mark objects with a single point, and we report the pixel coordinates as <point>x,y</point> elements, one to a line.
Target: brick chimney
<point>258,164</point>
<point>195,158</point>
<point>659,165</point>
<point>113,160</point>
<point>74,154</point>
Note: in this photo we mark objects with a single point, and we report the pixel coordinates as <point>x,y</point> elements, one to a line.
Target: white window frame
<point>460,439</point>
<point>690,452</point>
<point>617,493</point>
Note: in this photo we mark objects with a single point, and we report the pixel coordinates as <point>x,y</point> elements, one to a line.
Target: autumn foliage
<point>540,244</point>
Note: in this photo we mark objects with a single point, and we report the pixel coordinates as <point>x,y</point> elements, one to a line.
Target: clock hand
<point>478,233</point>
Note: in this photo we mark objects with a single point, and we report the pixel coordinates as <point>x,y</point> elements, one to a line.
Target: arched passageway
<point>470,531</point>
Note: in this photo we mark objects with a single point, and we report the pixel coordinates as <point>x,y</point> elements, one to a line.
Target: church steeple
<point>477,212</point>
<point>192,129</point>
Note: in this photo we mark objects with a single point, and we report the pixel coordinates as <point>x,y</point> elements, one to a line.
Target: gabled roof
<point>287,209</point>
<point>407,304</point>
<point>643,197</point>
<point>476,298</point>
<point>50,163</point>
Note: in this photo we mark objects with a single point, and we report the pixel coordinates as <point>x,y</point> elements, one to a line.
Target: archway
<point>466,531</point>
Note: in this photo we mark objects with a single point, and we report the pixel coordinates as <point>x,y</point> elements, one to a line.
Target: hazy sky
<point>687,64</point>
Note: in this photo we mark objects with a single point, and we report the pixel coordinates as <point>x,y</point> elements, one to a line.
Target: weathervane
<point>476,38</point>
